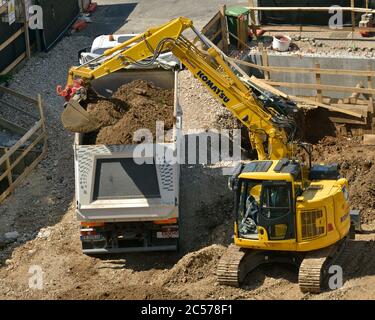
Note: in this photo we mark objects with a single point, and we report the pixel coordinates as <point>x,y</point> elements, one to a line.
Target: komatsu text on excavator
<point>285,210</point>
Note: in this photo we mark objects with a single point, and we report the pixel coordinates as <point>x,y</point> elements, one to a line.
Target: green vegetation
<point>5,78</point>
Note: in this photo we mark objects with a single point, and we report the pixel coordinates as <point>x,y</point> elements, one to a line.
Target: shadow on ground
<point>108,19</point>
<point>205,219</point>
<point>277,271</point>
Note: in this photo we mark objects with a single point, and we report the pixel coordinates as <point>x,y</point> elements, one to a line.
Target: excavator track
<point>228,268</point>
<point>314,268</point>
<point>237,262</point>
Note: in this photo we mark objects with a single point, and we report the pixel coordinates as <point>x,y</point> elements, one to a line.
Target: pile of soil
<point>357,164</point>
<point>134,106</point>
<point>314,124</point>
<point>195,266</point>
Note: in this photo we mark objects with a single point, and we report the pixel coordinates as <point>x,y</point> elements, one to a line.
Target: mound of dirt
<point>195,266</point>
<point>314,124</point>
<point>356,164</point>
<point>134,106</point>
<point>106,111</point>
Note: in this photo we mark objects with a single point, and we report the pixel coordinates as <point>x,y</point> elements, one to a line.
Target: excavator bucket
<point>76,119</point>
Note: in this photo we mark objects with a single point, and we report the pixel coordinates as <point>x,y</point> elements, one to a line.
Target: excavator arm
<point>270,128</point>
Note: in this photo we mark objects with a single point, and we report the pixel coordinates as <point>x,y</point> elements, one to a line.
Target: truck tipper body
<point>126,200</point>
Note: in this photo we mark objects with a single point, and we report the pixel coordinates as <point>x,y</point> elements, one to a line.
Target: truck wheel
<point>352,232</point>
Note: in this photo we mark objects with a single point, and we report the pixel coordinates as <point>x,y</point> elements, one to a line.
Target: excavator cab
<point>265,207</point>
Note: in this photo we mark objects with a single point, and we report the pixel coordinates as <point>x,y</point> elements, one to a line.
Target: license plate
<point>95,237</point>
<point>167,234</point>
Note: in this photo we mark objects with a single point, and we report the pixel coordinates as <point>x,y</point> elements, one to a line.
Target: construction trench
<point>49,234</point>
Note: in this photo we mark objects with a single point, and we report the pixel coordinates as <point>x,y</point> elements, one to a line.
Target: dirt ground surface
<point>206,231</point>
<point>357,164</point>
<point>134,106</point>
<point>42,211</point>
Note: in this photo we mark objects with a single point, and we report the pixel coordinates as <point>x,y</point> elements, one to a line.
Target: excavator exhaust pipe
<point>76,119</point>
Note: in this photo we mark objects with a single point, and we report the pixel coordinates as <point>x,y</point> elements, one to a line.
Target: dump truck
<point>126,201</point>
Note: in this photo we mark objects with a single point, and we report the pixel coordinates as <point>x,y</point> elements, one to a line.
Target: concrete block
<point>11,235</point>
<point>369,139</point>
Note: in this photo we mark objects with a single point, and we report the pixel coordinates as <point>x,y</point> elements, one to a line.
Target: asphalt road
<point>130,16</point>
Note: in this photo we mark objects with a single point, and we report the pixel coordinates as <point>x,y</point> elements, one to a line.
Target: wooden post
<point>7,168</point>
<point>224,30</point>
<point>264,61</point>
<point>371,107</point>
<point>318,82</point>
<point>253,20</point>
<point>40,106</point>
<point>243,32</point>
<point>238,34</point>
<point>26,24</point>
<point>353,17</point>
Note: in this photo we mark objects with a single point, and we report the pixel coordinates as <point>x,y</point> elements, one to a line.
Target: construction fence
<point>18,40</point>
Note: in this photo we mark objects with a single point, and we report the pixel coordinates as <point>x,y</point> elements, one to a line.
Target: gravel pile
<point>313,44</point>
<point>201,110</point>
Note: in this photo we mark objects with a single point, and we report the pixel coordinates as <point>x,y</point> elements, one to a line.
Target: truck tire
<point>352,232</point>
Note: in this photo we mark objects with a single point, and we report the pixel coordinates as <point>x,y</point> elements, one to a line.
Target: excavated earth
<point>357,164</point>
<point>42,211</point>
<point>134,106</point>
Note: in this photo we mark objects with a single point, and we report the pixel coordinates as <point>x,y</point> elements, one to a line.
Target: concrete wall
<point>326,62</point>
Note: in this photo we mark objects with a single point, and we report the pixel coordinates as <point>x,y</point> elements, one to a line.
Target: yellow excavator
<point>285,210</point>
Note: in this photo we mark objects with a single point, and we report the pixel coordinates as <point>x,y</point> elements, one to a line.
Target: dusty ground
<point>42,211</point>
<point>206,230</point>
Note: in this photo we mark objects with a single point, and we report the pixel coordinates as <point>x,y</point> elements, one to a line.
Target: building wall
<point>57,18</point>
<point>12,51</point>
<point>305,18</point>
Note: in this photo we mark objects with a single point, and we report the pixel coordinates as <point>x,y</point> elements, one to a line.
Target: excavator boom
<point>265,122</point>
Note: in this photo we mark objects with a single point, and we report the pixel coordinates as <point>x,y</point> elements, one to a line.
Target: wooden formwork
<point>356,105</point>
<point>300,28</point>
<point>23,30</point>
<point>356,110</point>
<point>216,30</point>
<point>18,160</point>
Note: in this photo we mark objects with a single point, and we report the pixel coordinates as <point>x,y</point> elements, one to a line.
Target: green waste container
<point>237,17</point>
